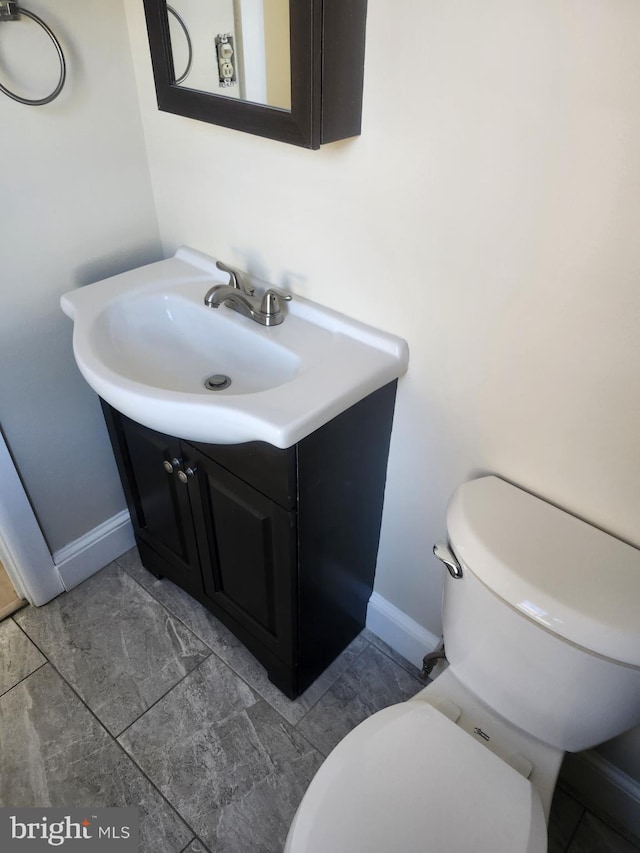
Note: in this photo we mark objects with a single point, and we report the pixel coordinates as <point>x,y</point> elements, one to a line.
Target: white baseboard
<point>604,788</point>
<point>83,557</point>
<point>399,631</point>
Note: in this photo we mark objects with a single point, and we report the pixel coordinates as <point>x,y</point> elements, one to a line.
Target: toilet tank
<point>544,625</point>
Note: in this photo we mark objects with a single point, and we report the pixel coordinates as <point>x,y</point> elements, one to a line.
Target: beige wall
<point>204,21</point>
<point>75,206</point>
<point>277,54</point>
<point>489,214</point>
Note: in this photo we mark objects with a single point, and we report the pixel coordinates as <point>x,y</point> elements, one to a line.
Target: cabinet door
<point>162,511</point>
<point>250,547</point>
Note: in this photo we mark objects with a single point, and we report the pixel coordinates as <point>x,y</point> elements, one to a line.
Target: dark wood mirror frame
<point>327,67</point>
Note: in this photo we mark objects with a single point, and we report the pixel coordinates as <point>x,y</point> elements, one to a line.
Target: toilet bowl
<point>540,632</point>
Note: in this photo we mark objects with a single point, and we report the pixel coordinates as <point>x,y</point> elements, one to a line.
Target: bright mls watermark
<point>102,830</point>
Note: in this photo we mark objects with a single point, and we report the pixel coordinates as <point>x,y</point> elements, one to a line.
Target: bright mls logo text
<point>57,832</point>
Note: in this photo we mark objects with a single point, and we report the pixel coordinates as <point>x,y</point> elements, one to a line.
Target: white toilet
<point>542,635</point>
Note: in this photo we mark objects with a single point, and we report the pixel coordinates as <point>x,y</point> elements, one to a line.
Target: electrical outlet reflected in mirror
<point>236,48</point>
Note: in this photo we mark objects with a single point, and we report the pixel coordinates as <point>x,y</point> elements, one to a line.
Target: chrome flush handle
<point>446,556</point>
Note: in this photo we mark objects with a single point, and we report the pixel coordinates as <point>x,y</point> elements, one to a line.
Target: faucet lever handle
<point>235,279</point>
<point>271,301</point>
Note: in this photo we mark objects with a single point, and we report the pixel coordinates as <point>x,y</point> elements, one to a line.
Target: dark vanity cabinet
<point>280,545</point>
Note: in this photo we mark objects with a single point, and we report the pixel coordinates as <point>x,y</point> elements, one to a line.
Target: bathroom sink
<point>165,340</point>
<point>148,345</point>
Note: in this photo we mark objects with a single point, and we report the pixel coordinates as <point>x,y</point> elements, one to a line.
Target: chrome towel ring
<point>13,10</point>
<point>185,73</point>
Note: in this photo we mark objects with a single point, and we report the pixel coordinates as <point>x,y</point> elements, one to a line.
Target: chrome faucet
<point>236,295</point>
<point>235,279</point>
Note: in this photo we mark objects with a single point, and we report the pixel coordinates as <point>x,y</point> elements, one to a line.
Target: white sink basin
<point>146,343</point>
<point>165,340</point>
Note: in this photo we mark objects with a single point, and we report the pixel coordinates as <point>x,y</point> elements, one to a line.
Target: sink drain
<point>217,382</point>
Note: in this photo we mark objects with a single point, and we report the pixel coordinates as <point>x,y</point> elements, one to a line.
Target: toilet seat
<point>409,780</point>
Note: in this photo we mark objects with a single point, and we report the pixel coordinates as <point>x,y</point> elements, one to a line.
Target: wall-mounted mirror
<point>234,48</point>
<point>286,69</point>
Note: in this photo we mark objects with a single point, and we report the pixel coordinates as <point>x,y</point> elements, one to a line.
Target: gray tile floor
<point>125,691</point>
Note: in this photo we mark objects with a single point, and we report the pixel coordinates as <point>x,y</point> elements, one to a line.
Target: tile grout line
<point>159,792</point>
<point>212,652</point>
<point>333,683</point>
<point>114,739</point>
<point>24,678</point>
<point>610,823</point>
<point>103,724</point>
<point>164,696</point>
<point>398,664</point>
<point>375,649</point>
<point>235,672</point>
<point>293,726</point>
<point>202,640</point>
<point>18,683</point>
<point>166,693</point>
<point>241,675</point>
<point>367,644</point>
<point>575,830</point>
<point>196,635</point>
<point>199,840</point>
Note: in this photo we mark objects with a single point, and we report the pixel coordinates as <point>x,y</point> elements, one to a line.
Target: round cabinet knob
<point>170,466</point>
<point>185,476</point>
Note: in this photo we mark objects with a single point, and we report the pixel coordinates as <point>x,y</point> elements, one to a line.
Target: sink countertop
<point>145,342</point>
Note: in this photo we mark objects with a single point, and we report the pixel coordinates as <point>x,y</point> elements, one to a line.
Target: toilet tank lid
<point>575,580</point>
